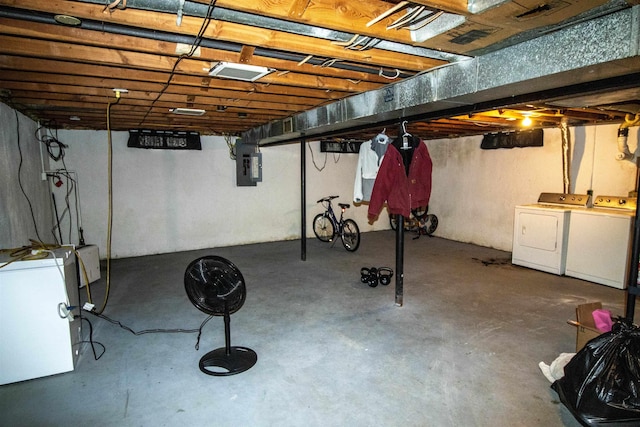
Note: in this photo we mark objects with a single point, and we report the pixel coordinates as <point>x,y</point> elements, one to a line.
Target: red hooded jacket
<point>401,192</point>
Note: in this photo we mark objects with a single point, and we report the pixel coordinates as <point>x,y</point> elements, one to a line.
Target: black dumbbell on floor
<point>372,276</point>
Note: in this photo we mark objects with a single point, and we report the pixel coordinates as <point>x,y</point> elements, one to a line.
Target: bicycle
<point>326,225</point>
<point>419,222</point>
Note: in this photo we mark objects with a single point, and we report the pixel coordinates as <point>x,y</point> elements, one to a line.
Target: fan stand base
<point>228,361</point>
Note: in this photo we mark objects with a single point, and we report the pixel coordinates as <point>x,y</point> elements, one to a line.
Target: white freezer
<point>35,341</point>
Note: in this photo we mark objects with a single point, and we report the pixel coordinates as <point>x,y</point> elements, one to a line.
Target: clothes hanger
<point>406,137</point>
<point>382,137</point>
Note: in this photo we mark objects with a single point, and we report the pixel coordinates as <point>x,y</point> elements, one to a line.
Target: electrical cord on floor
<point>156,331</point>
<point>92,342</point>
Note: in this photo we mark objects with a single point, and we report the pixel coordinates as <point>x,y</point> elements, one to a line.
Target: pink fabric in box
<point>603,321</point>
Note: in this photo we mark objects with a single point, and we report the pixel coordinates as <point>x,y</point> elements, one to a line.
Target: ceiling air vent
<point>187,111</point>
<point>244,72</point>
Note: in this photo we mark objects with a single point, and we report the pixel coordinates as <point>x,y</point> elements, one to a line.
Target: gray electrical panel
<point>248,165</point>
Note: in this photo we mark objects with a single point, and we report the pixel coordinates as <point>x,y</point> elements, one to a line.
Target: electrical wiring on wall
<point>33,217</point>
<point>110,201</point>
<point>55,148</point>
<point>56,152</point>
<point>196,43</point>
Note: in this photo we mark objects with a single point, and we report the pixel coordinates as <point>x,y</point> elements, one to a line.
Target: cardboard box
<point>90,257</point>
<point>586,326</point>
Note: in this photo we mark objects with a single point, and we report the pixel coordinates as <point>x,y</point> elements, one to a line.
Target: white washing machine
<point>540,231</point>
<point>600,241</point>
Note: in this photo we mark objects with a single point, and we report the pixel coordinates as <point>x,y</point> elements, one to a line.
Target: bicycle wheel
<point>393,221</point>
<point>323,228</point>
<point>432,224</point>
<point>350,235</point>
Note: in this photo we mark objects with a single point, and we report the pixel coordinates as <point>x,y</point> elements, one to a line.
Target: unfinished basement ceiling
<point>60,61</point>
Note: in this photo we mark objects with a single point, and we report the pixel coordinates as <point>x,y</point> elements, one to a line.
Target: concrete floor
<point>463,350</point>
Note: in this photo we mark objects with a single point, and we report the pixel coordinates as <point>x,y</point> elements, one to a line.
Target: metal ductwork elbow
<point>623,134</point>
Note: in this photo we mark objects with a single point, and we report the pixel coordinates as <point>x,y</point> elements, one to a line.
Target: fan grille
<point>213,282</point>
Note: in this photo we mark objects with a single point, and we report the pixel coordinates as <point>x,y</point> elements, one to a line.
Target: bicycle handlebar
<point>327,199</point>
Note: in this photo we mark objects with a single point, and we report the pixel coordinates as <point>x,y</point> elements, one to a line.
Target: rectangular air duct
<point>244,72</point>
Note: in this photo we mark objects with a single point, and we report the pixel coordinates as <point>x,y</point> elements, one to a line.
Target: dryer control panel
<point>615,202</point>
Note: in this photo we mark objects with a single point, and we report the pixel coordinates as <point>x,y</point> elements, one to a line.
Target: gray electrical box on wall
<point>248,165</point>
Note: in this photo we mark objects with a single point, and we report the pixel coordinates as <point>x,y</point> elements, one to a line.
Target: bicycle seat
<point>344,205</point>
<point>328,198</point>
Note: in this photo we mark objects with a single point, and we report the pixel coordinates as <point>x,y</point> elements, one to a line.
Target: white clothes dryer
<point>540,231</point>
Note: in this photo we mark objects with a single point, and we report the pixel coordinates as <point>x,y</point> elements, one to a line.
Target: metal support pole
<point>399,261</point>
<point>303,199</point>
<point>227,330</point>
<point>632,284</point>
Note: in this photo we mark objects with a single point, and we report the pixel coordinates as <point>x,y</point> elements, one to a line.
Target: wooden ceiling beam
<point>136,114</point>
<point>103,87</point>
<point>85,101</point>
<point>59,33</point>
<point>230,32</point>
<point>142,61</point>
<point>165,105</point>
<point>152,81</point>
<point>341,15</point>
<point>132,113</point>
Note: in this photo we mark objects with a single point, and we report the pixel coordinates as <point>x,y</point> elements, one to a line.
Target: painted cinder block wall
<point>167,201</point>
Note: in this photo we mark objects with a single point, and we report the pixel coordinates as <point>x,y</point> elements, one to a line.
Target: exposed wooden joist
<point>136,44</point>
<point>151,80</point>
<point>338,15</point>
<point>145,91</point>
<point>144,61</point>
<point>225,31</point>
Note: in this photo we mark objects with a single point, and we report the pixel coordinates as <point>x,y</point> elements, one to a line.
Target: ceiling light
<point>526,121</point>
<point>187,111</point>
<point>244,72</point>
<point>67,20</point>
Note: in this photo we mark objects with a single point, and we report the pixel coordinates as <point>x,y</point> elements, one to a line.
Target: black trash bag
<point>601,383</point>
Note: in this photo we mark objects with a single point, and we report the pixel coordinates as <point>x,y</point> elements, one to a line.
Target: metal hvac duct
<point>565,62</point>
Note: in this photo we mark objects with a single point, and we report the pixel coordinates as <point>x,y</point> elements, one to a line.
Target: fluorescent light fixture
<point>244,72</point>
<point>187,111</point>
